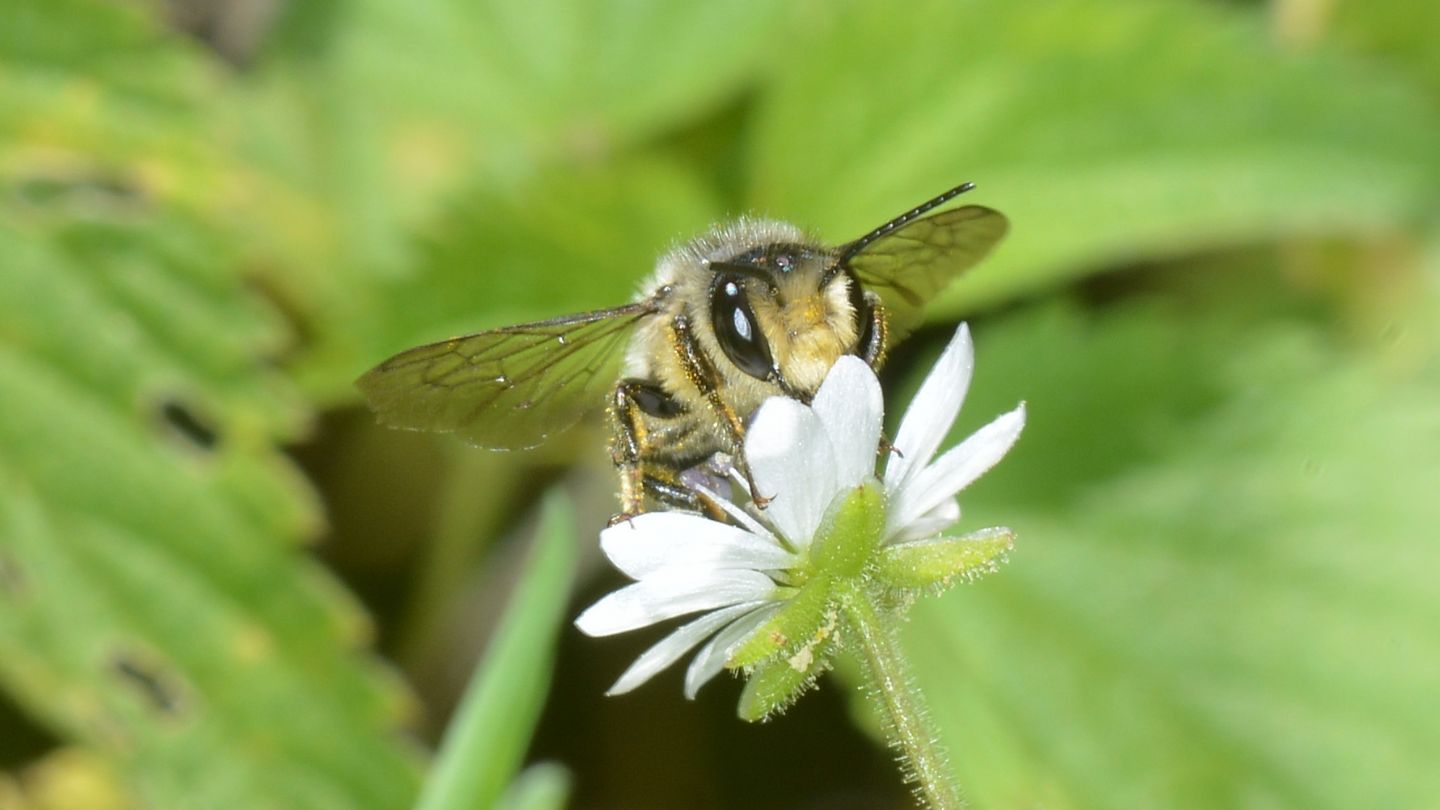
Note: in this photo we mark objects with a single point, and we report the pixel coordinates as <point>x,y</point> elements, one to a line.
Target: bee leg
<point>621,517</point>
<point>875,334</point>
<point>665,486</point>
<point>703,376</point>
<point>627,436</point>
<point>661,484</point>
<point>630,440</point>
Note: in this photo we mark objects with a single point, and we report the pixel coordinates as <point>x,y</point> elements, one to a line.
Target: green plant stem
<point>900,702</point>
<point>486,740</point>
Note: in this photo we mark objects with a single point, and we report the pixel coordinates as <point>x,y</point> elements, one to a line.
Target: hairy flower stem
<point>907,720</point>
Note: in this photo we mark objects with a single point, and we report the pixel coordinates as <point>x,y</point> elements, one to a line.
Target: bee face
<point>749,310</point>
<point>768,314</point>
<point>780,315</point>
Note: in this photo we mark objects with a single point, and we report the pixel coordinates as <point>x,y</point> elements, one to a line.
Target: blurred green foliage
<point>486,743</point>
<point>1218,299</point>
<point>1234,591</point>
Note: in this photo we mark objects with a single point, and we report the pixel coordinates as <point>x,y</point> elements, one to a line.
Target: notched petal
<point>674,646</point>
<point>930,524</point>
<point>711,659</point>
<point>665,597</point>
<point>851,407</point>
<point>655,541</point>
<point>931,412</point>
<point>957,468</point>
<point>790,456</point>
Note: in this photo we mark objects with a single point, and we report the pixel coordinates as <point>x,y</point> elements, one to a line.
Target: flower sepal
<point>933,565</point>
<point>806,619</point>
<point>852,529</point>
<point>780,681</point>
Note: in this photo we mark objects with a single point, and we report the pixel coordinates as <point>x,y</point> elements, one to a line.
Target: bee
<point>752,309</point>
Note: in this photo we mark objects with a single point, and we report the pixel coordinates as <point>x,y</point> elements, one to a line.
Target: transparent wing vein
<point>507,388</point>
<point>910,266</point>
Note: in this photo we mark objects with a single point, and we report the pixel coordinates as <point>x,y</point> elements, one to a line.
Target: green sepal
<point>780,681</point>
<point>809,616</point>
<point>850,532</point>
<point>937,563</point>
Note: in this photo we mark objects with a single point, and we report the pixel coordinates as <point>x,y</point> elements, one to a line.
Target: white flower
<point>803,458</point>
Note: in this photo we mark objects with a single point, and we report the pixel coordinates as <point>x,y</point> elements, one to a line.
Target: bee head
<point>780,314</point>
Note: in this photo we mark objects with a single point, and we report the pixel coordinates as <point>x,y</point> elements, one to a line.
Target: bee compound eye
<point>736,329</point>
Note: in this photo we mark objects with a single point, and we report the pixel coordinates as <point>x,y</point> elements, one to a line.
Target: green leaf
<point>102,112</point>
<point>574,239</point>
<point>491,731</point>
<point>1225,591</point>
<point>531,78</point>
<point>1106,131</point>
<point>1396,31</point>
<point>371,117</point>
<point>571,240</point>
<point>153,605</point>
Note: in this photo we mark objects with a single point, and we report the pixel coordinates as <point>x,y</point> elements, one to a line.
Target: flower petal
<point>793,463</point>
<point>931,412</point>
<point>931,523</point>
<point>955,470</point>
<point>712,657</point>
<point>660,540</point>
<point>674,594</point>
<point>669,649</point>
<point>851,408</point>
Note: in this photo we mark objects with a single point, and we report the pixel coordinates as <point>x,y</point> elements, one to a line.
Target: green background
<point>222,586</point>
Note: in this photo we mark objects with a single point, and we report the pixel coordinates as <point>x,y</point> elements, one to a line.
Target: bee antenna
<point>904,219</point>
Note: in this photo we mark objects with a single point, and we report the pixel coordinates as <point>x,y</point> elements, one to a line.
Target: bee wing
<point>910,265</point>
<point>508,388</point>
